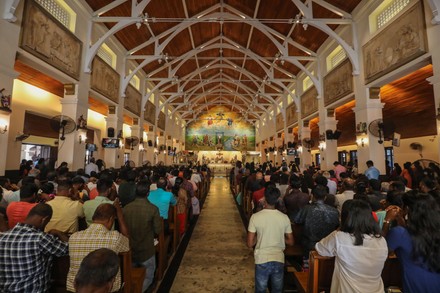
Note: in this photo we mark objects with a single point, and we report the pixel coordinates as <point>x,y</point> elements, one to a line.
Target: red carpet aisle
<point>217,258</point>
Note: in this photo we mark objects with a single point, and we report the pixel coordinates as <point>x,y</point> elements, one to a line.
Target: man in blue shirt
<point>162,199</point>
<point>372,172</point>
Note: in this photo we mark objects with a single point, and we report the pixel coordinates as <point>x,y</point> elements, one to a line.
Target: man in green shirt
<point>269,230</point>
<point>104,187</point>
<point>143,221</point>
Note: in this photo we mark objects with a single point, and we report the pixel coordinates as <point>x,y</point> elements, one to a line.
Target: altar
<point>220,169</point>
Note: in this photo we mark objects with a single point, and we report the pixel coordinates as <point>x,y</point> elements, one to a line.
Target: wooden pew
<point>162,253</point>
<point>60,269</point>
<point>131,278</point>
<point>296,250</point>
<point>173,227</point>
<point>319,276</point>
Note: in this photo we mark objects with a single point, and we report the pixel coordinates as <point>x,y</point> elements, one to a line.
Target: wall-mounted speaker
<point>169,148</point>
<point>110,132</point>
<point>329,134</point>
<point>150,143</point>
<point>336,134</point>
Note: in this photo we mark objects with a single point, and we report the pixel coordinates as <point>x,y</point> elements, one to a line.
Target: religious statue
<point>5,101</point>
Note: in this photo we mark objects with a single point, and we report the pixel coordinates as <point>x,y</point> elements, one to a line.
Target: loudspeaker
<point>337,134</point>
<point>174,150</point>
<point>265,151</point>
<point>329,134</point>
<point>110,132</point>
<point>169,148</point>
<point>289,145</point>
<point>150,143</point>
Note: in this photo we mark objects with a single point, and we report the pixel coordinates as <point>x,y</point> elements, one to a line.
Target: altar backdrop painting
<point>220,129</point>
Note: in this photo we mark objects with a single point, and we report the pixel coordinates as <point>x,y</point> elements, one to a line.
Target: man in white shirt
<point>90,167</point>
<point>348,193</point>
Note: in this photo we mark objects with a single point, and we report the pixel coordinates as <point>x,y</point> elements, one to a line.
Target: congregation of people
<point>359,219</point>
<point>91,215</point>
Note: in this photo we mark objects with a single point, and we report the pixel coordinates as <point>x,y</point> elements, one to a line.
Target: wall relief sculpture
<point>338,83</point>
<point>400,42</point>
<point>105,80</point>
<point>309,102</point>
<point>150,112</point>
<point>291,114</point>
<point>132,100</point>
<point>161,121</point>
<point>280,122</point>
<point>46,38</point>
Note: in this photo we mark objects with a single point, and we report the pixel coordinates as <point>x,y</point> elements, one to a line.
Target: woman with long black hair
<point>359,248</point>
<point>182,203</point>
<point>418,244</point>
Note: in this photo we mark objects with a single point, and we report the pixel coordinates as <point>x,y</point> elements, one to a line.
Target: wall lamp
<point>361,141</point>
<point>3,129</point>
<point>80,139</point>
<point>322,146</point>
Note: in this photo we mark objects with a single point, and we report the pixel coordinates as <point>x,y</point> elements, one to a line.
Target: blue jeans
<point>273,271</point>
<point>150,265</point>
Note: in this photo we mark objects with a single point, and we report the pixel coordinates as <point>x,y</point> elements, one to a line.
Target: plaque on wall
<point>150,112</point>
<point>105,80</point>
<point>338,83</point>
<point>291,114</point>
<point>161,121</point>
<point>132,100</point>
<point>309,102</point>
<point>400,42</point>
<point>279,122</point>
<point>46,38</point>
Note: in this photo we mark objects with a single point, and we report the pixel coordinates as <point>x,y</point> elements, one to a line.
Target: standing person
<point>359,248</point>
<point>27,253</point>
<point>372,172</point>
<point>91,167</point>
<point>338,170</point>
<point>416,245</point>
<point>162,199</point>
<point>143,221</point>
<point>408,174</point>
<point>182,203</point>
<point>319,220</point>
<point>270,230</point>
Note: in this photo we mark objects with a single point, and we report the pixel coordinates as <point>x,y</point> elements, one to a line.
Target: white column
<point>371,149</point>
<point>305,156</point>
<point>7,137</point>
<point>329,152</point>
<point>433,31</point>
<point>114,157</point>
<point>161,156</point>
<point>136,130</point>
<point>149,149</point>
<point>72,148</point>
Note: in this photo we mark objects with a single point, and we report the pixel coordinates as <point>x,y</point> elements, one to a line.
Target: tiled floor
<point>217,258</point>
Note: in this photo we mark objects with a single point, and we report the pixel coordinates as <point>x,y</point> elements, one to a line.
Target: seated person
<point>98,235</point>
<point>27,253</point>
<point>97,272</point>
<point>18,211</point>
<point>66,211</point>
